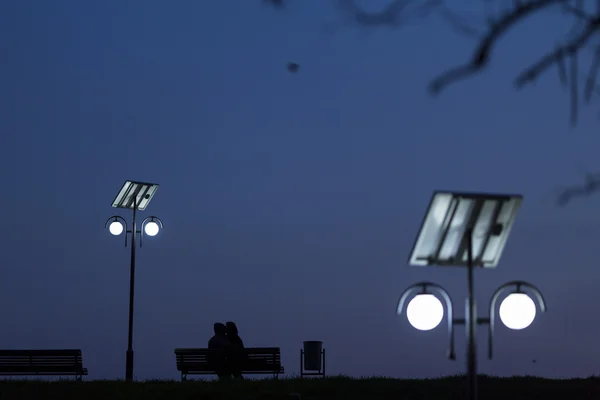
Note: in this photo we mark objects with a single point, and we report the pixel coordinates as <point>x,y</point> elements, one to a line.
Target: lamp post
<point>135,196</point>
<point>467,230</point>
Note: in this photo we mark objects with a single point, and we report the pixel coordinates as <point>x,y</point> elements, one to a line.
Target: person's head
<point>231,328</point>
<point>220,328</point>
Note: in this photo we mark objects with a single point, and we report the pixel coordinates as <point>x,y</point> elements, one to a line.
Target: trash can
<point>312,355</point>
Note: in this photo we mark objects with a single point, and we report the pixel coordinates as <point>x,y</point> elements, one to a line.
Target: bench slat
<point>42,362</point>
<point>252,350</point>
<point>54,368</point>
<point>38,362</point>
<point>27,373</point>
<point>257,360</point>
<point>186,358</point>
<point>38,359</point>
<point>53,352</point>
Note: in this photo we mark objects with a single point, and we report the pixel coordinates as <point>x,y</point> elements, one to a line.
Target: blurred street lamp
<point>468,230</point>
<point>134,196</point>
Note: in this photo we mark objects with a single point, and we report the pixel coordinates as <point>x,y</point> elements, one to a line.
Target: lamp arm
<point>423,286</point>
<point>151,218</point>
<point>118,218</point>
<point>538,295</point>
<point>494,299</point>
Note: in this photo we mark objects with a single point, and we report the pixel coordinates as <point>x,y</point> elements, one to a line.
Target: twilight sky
<point>290,201</point>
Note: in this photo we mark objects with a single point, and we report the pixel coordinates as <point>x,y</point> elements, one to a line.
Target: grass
<point>525,388</point>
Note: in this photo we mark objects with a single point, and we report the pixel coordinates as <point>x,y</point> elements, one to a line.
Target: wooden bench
<point>257,360</point>
<point>42,362</point>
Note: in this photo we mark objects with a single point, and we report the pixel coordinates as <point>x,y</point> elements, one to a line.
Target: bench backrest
<point>67,360</point>
<point>254,359</point>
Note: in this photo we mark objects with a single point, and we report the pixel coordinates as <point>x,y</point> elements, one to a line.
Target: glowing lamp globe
<point>151,228</point>
<point>517,311</point>
<point>424,312</point>
<point>116,228</point>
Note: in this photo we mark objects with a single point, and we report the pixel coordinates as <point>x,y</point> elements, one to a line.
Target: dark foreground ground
<point>309,389</point>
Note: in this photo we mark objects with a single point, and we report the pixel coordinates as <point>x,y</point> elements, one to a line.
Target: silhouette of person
<point>236,354</point>
<point>219,342</point>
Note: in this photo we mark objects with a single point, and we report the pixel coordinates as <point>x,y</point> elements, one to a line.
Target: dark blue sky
<point>290,201</point>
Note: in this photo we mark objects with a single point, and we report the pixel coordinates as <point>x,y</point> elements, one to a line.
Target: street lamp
<point>134,196</point>
<point>517,311</point>
<point>425,311</point>
<point>468,230</point>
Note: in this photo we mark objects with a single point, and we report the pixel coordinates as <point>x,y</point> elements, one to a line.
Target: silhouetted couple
<point>229,359</point>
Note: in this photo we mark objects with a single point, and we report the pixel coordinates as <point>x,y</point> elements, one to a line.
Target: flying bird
<point>293,67</point>
<point>275,3</point>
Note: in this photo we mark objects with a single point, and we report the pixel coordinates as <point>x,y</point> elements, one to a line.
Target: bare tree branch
<point>574,89</point>
<point>590,186</point>
<point>457,22</point>
<point>482,53</point>
<point>583,14</point>
<point>274,3</point>
<point>533,72</point>
<point>562,68</point>
<point>577,10</point>
<point>590,83</point>
<point>390,15</point>
<point>394,14</point>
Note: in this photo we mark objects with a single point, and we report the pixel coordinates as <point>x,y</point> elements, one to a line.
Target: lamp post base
<point>129,365</point>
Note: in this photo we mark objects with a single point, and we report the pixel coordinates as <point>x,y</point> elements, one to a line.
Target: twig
<point>574,89</point>
<point>532,73</point>
<point>590,83</point>
<point>482,53</point>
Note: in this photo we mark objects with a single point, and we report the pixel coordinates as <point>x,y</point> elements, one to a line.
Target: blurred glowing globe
<point>116,228</point>
<point>517,311</point>
<point>151,228</point>
<point>425,312</point>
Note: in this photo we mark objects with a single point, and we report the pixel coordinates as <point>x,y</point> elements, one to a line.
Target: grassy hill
<point>525,388</point>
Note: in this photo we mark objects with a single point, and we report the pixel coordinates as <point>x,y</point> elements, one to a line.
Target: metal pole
<point>323,352</point>
<point>129,354</point>
<point>471,323</point>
